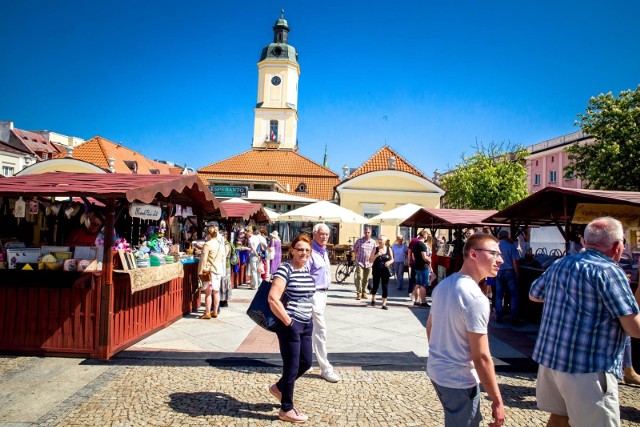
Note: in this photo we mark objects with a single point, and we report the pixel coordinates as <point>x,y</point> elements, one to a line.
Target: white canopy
<point>395,216</point>
<point>323,211</point>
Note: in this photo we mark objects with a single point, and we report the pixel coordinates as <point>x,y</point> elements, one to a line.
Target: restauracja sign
<point>142,211</point>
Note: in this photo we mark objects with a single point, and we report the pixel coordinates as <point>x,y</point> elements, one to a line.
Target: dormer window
<point>132,165</point>
<point>154,171</point>
<point>301,188</point>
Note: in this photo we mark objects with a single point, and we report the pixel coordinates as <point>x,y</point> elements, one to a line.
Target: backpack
<point>233,255</point>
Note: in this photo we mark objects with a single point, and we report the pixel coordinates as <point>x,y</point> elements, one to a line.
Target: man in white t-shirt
<point>459,356</point>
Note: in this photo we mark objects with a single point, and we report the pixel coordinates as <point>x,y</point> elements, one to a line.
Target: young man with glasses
<point>459,356</point>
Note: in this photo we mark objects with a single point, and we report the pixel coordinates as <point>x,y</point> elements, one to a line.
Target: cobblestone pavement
<point>153,393</point>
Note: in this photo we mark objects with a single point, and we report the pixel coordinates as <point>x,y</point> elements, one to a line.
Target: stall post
<point>106,296</point>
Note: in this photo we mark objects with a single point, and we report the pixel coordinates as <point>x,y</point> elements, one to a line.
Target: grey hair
<point>319,225</point>
<point>603,231</point>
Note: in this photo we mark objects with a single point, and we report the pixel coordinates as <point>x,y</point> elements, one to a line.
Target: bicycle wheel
<point>342,272</point>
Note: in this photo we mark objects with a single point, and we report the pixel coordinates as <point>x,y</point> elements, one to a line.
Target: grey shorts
<point>461,405</point>
<point>587,399</point>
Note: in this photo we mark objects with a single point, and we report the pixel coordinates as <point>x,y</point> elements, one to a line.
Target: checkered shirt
<point>364,248</point>
<point>584,295</point>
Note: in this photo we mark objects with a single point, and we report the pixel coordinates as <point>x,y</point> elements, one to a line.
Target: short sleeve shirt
<point>299,291</point>
<point>364,248</point>
<point>584,295</point>
<point>418,262</point>
<point>458,307</point>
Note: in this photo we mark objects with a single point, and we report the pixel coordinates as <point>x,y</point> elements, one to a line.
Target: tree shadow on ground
<point>201,404</point>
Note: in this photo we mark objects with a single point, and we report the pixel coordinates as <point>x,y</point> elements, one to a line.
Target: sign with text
<point>229,190</point>
<point>142,211</point>
<point>629,216</point>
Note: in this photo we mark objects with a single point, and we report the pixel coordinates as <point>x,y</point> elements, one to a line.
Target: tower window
<point>273,130</point>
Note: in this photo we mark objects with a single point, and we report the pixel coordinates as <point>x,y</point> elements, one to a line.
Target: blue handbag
<point>259,310</point>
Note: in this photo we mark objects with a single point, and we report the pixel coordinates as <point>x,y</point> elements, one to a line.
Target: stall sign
<point>142,211</point>
<point>629,216</point>
<point>229,190</point>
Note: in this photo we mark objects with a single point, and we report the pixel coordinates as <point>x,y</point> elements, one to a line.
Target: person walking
<point>588,308</point>
<point>275,247</point>
<point>381,259</point>
<point>362,250</point>
<point>211,261</point>
<point>459,356</point>
<point>400,250</point>
<point>256,269</point>
<point>422,266</point>
<point>293,280</point>
<point>507,278</point>
<point>320,270</point>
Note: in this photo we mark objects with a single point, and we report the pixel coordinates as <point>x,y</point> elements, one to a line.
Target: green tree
<point>492,178</point>
<point>611,163</point>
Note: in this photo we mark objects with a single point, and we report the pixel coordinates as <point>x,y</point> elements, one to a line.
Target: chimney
<point>111,162</point>
<point>69,151</point>
<point>5,130</point>
<point>392,162</point>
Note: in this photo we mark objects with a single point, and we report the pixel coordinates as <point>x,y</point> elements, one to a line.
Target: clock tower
<point>276,113</point>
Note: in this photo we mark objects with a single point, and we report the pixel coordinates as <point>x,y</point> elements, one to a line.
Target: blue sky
<point>177,80</point>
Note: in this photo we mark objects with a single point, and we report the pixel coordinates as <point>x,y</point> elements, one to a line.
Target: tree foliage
<point>492,178</point>
<point>612,162</point>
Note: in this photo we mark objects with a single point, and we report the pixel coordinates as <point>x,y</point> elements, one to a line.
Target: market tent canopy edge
<point>323,211</point>
<point>185,190</point>
<point>553,205</point>
<point>395,216</point>
<point>448,218</point>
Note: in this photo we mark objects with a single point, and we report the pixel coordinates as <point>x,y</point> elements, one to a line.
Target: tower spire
<point>325,163</point>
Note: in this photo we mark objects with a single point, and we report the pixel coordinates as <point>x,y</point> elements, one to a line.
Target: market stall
<point>112,303</point>
<point>568,209</point>
<point>447,258</point>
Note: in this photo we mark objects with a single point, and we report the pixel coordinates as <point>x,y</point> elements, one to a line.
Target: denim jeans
<point>504,279</point>
<point>399,269</point>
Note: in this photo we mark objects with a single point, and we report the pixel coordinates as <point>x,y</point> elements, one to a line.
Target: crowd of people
<point>588,316</point>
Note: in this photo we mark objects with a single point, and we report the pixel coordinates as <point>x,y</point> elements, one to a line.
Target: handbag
<point>260,311</point>
<point>233,258</point>
<point>205,276</point>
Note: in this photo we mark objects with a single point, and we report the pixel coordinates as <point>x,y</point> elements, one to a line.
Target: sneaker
<point>425,304</point>
<point>330,376</point>
<point>273,389</point>
<point>384,307</point>
<point>206,316</point>
<point>292,416</point>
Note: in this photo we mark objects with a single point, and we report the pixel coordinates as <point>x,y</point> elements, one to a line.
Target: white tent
<point>395,216</point>
<point>323,211</point>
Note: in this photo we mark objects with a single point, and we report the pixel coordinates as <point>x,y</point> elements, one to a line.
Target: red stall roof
<point>185,190</point>
<point>448,218</point>
<point>243,210</point>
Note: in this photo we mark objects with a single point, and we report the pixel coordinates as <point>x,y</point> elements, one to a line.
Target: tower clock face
<point>275,80</point>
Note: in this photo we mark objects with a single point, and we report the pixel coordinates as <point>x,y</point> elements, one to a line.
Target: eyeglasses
<point>302,250</point>
<point>494,254</point>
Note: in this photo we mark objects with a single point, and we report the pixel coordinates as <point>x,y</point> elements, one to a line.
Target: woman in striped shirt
<point>293,282</point>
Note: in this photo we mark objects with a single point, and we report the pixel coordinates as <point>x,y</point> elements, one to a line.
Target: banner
<point>142,211</point>
<point>629,216</point>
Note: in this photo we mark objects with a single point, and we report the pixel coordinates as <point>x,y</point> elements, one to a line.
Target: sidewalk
<point>216,372</point>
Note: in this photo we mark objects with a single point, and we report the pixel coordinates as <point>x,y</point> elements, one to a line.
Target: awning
<point>186,190</point>
<point>448,218</point>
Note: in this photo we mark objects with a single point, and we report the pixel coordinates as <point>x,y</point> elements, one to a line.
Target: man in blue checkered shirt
<point>588,307</point>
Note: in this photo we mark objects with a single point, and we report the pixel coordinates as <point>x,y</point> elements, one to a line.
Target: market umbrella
<point>323,211</point>
<point>395,216</point>
<point>273,215</point>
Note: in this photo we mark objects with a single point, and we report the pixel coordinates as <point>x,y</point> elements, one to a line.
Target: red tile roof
<point>97,150</point>
<point>286,167</point>
<point>380,161</point>
<point>35,143</point>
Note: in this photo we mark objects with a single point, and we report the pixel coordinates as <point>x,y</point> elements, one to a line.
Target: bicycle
<point>345,267</point>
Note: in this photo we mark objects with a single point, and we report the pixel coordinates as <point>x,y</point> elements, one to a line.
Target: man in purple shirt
<point>320,270</point>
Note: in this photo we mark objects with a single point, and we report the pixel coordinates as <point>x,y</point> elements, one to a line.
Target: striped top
<point>584,295</point>
<point>299,290</point>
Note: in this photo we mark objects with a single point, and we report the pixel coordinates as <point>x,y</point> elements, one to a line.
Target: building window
<point>302,188</point>
<point>551,159</point>
<point>7,170</point>
<point>552,176</point>
<point>569,176</point>
<point>536,179</point>
<point>44,156</point>
<point>273,130</point>
<point>536,163</point>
